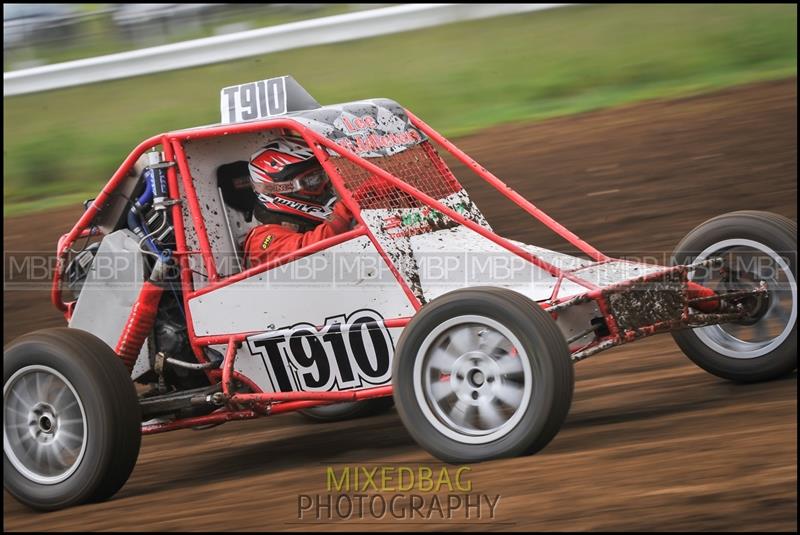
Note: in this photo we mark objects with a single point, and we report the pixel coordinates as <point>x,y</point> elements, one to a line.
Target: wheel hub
<point>472,377</point>
<point>43,423</point>
<point>756,307</point>
<point>476,378</point>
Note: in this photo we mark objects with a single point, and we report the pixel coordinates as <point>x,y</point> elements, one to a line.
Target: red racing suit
<point>268,242</point>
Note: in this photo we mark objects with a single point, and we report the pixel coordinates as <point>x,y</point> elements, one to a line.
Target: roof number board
<point>253,101</point>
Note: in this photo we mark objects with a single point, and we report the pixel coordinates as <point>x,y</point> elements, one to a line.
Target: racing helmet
<point>287,178</point>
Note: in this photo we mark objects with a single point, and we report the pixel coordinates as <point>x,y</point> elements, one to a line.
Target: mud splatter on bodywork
<point>647,303</point>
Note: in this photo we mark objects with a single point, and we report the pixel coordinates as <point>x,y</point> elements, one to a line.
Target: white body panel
<point>438,261</point>
<point>459,258</point>
<point>111,288</point>
<point>614,272</point>
<point>338,280</point>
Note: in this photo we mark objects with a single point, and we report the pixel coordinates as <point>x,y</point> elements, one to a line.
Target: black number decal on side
<point>361,330</point>
<point>273,361</point>
<point>340,353</point>
<point>309,358</point>
<point>348,352</point>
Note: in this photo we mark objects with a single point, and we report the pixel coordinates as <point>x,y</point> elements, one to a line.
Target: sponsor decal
<point>363,139</point>
<point>296,205</point>
<point>349,351</point>
<point>266,242</point>
<point>415,221</point>
<point>359,123</point>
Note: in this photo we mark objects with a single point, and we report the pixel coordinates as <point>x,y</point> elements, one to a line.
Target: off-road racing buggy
<point>473,336</point>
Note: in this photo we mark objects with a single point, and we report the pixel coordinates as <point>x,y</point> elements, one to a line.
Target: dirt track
<point>651,443</point>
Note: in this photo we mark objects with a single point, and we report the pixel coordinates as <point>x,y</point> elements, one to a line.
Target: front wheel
<point>72,424</point>
<point>754,247</point>
<point>482,373</point>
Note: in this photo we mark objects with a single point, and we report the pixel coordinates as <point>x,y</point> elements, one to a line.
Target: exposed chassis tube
<point>714,308</point>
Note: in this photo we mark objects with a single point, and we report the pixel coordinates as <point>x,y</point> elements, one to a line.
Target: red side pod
<point>139,324</point>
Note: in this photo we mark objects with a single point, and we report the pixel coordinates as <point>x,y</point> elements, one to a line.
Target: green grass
<point>459,78</point>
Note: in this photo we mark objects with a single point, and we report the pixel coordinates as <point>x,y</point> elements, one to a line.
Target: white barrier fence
<point>220,48</point>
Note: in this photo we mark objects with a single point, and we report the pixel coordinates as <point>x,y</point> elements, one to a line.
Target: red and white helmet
<point>288,178</point>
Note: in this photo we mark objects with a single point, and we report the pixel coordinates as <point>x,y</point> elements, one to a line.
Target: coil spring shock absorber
<point>143,315</point>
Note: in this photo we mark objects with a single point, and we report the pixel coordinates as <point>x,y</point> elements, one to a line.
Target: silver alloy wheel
<point>751,341</point>
<point>44,428</point>
<point>472,379</point>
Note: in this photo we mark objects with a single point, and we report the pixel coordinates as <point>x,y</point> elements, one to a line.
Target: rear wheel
<point>350,410</point>
<point>482,373</point>
<point>72,425</point>
<point>754,247</point>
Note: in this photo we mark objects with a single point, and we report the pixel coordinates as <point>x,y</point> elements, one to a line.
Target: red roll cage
<point>257,403</point>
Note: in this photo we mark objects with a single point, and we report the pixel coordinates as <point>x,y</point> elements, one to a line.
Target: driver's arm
<point>268,242</point>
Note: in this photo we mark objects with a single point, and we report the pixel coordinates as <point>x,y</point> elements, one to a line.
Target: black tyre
<point>339,412</point>
<point>754,246</point>
<point>72,425</point>
<point>482,373</point>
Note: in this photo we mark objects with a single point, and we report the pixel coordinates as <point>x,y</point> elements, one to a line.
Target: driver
<point>297,203</point>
